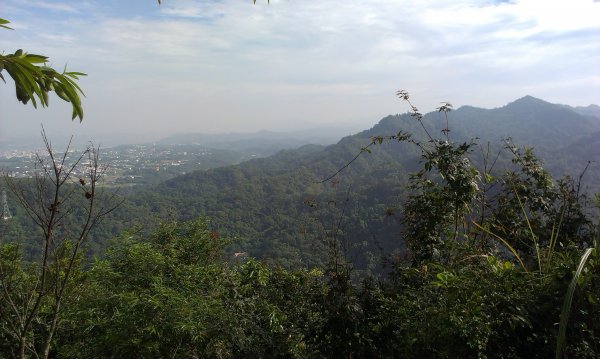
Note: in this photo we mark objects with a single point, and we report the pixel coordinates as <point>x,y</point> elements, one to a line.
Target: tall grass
<point>568,301</point>
<point>566,309</point>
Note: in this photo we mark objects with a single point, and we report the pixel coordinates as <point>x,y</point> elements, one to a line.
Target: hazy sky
<point>230,66</point>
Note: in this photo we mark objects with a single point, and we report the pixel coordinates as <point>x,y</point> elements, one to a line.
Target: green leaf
<point>23,92</point>
<point>36,59</point>
<point>3,22</point>
<point>33,82</point>
<point>75,74</point>
<point>45,97</point>
<point>60,92</point>
<point>488,178</point>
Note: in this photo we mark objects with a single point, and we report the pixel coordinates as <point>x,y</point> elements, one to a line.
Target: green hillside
<point>279,208</point>
<point>276,208</point>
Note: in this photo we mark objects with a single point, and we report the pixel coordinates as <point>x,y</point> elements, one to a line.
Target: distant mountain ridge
<point>261,143</point>
<point>590,110</point>
<point>528,121</point>
<point>278,210</point>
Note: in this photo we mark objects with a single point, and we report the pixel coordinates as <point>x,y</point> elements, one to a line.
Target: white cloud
<point>318,60</point>
<point>58,37</point>
<point>53,6</point>
<point>192,9</point>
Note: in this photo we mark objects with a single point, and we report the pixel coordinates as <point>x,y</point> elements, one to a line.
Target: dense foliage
<point>489,271</point>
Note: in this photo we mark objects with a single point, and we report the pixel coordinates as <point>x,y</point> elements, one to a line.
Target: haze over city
<point>231,66</point>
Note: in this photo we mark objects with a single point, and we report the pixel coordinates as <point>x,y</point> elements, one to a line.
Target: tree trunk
<point>22,346</point>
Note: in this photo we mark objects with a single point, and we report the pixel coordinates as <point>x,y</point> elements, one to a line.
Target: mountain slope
<point>276,208</point>
<point>590,110</point>
<point>528,121</point>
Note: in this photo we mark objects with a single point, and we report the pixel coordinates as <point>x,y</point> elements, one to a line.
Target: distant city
<point>128,165</point>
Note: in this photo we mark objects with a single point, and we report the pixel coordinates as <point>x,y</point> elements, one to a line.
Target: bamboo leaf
<point>32,85</point>
<point>75,74</point>
<point>24,93</point>
<point>60,92</point>
<point>33,82</point>
<point>36,59</point>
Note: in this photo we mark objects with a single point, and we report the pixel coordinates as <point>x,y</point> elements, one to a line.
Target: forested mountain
<point>527,120</point>
<point>590,110</point>
<point>277,207</point>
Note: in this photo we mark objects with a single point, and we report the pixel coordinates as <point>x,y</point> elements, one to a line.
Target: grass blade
<point>510,248</point>
<point>533,237</point>
<point>566,309</point>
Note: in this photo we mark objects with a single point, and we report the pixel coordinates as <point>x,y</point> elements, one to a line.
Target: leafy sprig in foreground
<point>34,79</point>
